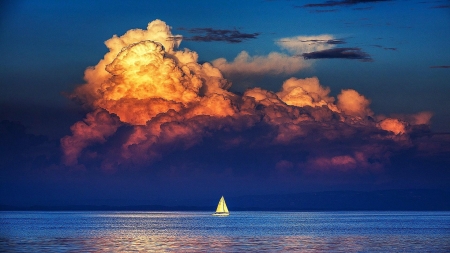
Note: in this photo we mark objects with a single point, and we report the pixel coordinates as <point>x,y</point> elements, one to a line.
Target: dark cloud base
<point>31,172</point>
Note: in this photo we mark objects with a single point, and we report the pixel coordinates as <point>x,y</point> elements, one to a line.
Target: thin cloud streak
<point>363,8</point>
<point>339,53</point>
<point>342,3</point>
<point>386,48</point>
<point>441,67</point>
<point>330,41</point>
<point>444,6</point>
<point>209,34</point>
<point>304,44</point>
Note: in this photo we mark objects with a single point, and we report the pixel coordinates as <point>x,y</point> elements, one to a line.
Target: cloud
<point>393,125</point>
<point>441,67</point>
<point>386,48</point>
<point>305,44</point>
<point>335,41</point>
<point>272,64</point>
<point>342,163</point>
<point>210,34</point>
<point>276,63</point>
<point>305,92</point>
<point>95,128</point>
<point>353,103</point>
<point>420,118</point>
<point>342,3</point>
<point>339,53</point>
<point>442,6</point>
<point>152,104</point>
<point>97,75</point>
<point>363,8</point>
<point>321,11</point>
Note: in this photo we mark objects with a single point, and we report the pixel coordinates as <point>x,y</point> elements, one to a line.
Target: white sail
<point>222,208</point>
<point>225,208</point>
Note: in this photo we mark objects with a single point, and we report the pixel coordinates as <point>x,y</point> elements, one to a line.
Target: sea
<point>109,231</point>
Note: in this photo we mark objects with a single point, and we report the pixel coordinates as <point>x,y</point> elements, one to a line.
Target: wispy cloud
<point>324,11</point>
<point>209,34</point>
<point>317,10</point>
<point>441,67</point>
<point>336,41</point>
<point>363,8</point>
<point>330,41</point>
<point>442,6</point>
<point>352,53</point>
<point>386,48</point>
<point>305,44</point>
<point>341,3</point>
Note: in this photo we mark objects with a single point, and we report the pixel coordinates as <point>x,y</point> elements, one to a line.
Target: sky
<point>161,102</point>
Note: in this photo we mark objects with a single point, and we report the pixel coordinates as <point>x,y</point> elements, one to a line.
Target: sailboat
<point>222,209</point>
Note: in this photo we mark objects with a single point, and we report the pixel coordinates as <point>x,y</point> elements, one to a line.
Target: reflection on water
<point>239,232</point>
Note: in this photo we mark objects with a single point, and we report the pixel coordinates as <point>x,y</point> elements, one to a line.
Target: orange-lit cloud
<point>95,128</point>
<point>97,75</point>
<point>420,118</point>
<point>306,92</point>
<point>358,161</point>
<point>393,125</point>
<point>354,104</point>
<point>166,101</point>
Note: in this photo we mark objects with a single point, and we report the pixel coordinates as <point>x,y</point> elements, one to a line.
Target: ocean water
<point>240,232</point>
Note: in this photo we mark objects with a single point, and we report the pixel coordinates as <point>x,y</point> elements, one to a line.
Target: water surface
<point>239,232</point>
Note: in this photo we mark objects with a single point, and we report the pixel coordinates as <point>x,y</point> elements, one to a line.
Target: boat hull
<point>221,214</point>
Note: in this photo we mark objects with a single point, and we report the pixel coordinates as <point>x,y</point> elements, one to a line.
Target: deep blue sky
<point>402,65</point>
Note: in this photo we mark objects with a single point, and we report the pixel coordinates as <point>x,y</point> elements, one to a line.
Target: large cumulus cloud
<point>148,100</point>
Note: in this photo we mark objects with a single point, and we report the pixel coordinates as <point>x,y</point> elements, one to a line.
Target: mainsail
<point>222,208</point>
